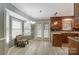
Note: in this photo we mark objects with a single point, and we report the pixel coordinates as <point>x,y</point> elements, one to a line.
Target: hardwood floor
<point>38,47</point>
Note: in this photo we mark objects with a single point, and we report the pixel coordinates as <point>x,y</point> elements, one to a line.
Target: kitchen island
<point>73,46</point>
<point>60,37</point>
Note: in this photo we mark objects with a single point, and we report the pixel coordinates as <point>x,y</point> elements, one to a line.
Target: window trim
<point>15,19</point>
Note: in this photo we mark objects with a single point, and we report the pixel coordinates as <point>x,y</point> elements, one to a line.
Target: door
<point>42,31</point>
<point>38,31</point>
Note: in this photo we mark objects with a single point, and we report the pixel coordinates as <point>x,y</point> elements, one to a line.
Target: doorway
<point>42,31</point>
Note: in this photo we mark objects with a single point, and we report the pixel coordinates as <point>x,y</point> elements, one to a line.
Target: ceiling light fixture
<point>31,22</point>
<point>40,11</point>
<point>67,19</point>
<point>55,13</point>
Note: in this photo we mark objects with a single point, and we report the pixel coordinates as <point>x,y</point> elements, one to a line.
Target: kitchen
<point>64,29</point>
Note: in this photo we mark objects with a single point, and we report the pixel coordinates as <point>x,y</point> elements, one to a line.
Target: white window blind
<point>16,28</point>
<point>27,29</point>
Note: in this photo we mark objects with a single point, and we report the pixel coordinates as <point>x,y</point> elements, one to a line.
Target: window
<point>38,30</point>
<point>42,30</point>
<point>27,28</point>
<point>46,31</point>
<point>16,28</point>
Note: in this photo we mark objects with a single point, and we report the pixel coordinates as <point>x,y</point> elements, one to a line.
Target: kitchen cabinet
<point>63,23</point>
<point>57,40</point>
<point>73,46</point>
<point>76,11</point>
<point>76,15</point>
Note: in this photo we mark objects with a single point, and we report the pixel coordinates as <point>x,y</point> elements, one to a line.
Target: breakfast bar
<point>73,46</point>
<point>60,37</point>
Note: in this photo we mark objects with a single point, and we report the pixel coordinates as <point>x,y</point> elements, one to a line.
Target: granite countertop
<point>74,38</point>
<point>60,32</point>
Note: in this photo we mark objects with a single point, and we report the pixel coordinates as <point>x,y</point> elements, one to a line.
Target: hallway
<point>38,47</point>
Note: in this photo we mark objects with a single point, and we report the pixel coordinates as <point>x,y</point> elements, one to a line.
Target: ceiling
<point>45,10</point>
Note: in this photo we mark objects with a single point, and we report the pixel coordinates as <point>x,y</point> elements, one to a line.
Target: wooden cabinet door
<point>76,10</point>
<point>76,14</point>
<point>57,40</point>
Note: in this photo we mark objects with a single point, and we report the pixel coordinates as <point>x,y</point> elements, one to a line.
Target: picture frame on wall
<point>67,26</point>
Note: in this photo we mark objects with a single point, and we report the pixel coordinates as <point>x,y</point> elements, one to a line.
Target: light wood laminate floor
<point>38,47</point>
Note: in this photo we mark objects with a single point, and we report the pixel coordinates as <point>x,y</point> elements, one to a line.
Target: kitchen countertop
<point>60,32</point>
<point>74,38</point>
